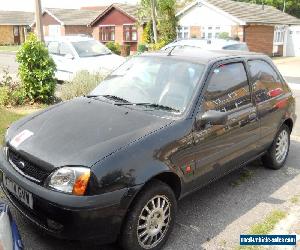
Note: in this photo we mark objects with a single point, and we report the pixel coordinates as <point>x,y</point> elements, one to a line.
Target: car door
<point>270,96</point>
<point>66,61</point>
<point>220,148</point>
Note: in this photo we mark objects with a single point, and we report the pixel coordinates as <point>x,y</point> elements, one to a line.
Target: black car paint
<point>126,147</point>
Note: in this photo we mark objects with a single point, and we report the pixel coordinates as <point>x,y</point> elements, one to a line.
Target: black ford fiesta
<point>112,165</point>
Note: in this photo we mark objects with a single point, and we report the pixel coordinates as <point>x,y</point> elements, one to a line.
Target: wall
<point>6,34</point>
<point>259,38</point>
<point>237,31</point>
<point>78,29</point>
<point>204,17</point>
<point>117,19</point>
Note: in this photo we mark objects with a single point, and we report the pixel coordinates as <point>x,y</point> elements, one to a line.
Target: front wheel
<point>276,156</point>
<point>151,218</point>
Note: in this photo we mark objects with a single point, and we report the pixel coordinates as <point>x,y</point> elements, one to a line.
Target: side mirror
<point>69,56</point>
<point>213,117</point>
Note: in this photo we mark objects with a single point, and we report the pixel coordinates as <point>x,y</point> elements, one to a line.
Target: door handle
<point>252,116</point>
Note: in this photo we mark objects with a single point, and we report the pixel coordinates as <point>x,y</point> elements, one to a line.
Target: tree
<point>163,20</point>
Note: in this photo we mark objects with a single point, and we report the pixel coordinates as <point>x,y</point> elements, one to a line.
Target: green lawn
<point>9,48</point>
<point>8,116</point>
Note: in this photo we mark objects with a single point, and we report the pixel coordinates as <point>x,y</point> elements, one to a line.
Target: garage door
<point>293,44</point>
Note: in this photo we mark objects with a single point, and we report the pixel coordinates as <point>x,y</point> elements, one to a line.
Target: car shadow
<point>202,215</point>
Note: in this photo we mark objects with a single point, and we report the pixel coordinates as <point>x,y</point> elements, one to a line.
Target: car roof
<point>77,38</point>
<point>217,41</point>
<point>204,56</point>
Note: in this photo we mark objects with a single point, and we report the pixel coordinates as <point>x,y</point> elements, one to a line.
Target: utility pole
<point>284,5</point>
<point>38,20</point>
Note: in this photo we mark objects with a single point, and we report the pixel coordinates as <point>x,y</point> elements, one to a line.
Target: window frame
<point>199,106</point>
<point>103,29</point>
<point>182,30</point>
<point>282,81</point>
<point>131,31</point>
<point>280,77</point>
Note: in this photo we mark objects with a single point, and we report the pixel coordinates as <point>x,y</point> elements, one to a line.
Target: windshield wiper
<point>152,105</point>
<point>111,97</point>
<point>117,98</point>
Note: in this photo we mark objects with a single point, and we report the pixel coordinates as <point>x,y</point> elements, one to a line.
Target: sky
<point>28,5</point>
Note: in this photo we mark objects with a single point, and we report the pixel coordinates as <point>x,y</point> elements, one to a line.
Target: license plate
<point>19,192</point>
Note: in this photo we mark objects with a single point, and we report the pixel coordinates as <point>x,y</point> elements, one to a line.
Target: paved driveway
<point>8,60</point>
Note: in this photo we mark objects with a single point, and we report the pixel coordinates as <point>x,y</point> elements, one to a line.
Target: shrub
<point>156,46</point>
<point>142,48</point>
<point>82,84</point>
<point>36,70</point>
<point>11,92</point>
<point>224,35</point>
<point>4,96</point>
<point>125,50</point>
<point>114,47</point>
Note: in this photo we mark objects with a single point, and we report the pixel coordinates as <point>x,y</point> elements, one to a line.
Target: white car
<point>72,54</point>
<point>214,44</point>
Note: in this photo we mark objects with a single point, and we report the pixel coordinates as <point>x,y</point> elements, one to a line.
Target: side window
<point>65,49</point>
<point>228,88</point>
<point>53,48</point>
<point>264,79</point>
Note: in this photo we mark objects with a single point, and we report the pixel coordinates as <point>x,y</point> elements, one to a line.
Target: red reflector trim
<point>281,104</point>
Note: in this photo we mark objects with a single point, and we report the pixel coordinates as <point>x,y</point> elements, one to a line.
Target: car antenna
<point>170,52</point>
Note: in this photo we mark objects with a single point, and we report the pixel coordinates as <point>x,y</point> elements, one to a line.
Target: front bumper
<point>71,217</point>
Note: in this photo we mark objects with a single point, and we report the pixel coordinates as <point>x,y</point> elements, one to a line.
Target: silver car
<point>214,44</point>
<point>72,54</point>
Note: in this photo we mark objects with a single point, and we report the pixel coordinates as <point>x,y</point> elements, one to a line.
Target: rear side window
<point>264,79</point>
<point>239,46</point>
<point>65,49</point>
<point>228,88</point>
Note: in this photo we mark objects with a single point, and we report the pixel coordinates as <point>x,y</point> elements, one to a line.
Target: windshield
<point>90,48</point>
<point>155,81</point>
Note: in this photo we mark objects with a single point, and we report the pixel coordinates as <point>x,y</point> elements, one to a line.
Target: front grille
<point>26,168</point>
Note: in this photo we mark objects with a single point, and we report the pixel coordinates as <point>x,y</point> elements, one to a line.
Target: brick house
<point>14,26</point>
<point>117,23</point>
<point>262,27</point>
<point>60,22</point>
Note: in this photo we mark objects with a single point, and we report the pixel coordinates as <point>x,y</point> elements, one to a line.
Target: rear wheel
<point>151,219</point>
<point>276,156</point>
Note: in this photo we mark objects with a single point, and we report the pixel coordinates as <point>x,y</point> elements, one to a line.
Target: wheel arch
<point>289,122</point>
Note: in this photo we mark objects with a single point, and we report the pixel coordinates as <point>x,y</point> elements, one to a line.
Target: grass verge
<point>265,227</point>
<point>8,116</point>
<point>9,48</point>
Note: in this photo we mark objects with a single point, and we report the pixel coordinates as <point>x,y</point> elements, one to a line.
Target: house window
<point>107,33</point>
<point>183,32</point>
<point>130,33</point>
<point>209,35</point>
<point>279,35</point>
<point>54,30</point>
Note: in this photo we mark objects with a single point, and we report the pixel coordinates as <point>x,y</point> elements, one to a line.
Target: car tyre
<point>151,219</point>
<point>277,154</point>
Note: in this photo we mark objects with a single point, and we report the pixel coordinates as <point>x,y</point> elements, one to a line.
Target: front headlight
<point>70,180</point>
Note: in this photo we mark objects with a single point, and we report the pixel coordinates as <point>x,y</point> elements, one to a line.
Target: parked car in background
<point>213,44</point>
<point>112,165</point>
<point>72,54</point>
<point>9,234</point>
